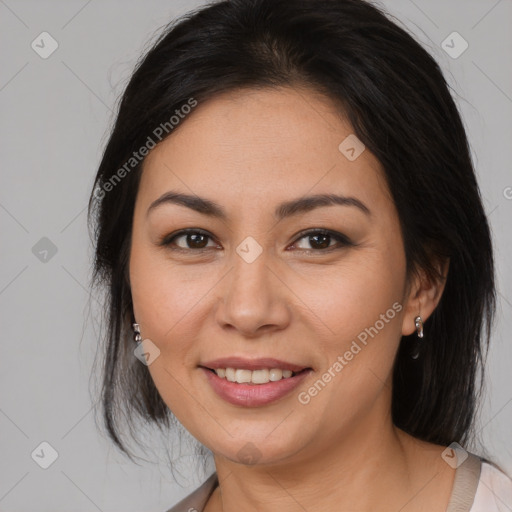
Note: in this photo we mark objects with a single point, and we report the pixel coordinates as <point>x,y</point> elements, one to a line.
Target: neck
<point>375,467</point>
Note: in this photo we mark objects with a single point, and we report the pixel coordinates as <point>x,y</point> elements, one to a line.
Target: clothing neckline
<point>467,477</point>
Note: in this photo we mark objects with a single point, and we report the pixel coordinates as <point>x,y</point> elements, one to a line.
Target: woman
<point>287,216</point>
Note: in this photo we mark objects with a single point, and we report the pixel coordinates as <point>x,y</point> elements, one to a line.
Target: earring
<point>136,329</point>
<point>418,322</point>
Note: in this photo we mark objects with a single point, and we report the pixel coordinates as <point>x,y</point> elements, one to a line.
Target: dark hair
<point>396,98</point>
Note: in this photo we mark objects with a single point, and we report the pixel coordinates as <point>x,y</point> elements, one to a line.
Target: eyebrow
<point>285,209</point>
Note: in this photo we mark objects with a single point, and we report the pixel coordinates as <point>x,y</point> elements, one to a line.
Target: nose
<point>253,298</point>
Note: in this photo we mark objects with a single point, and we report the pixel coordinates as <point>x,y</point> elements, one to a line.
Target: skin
<point>249,151</point>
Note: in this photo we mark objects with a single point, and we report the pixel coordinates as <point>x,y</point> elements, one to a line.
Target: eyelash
<point>343,241</point>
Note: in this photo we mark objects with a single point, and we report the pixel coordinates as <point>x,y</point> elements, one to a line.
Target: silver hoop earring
<point>417,345</point>
<point>136,329</point>
<point>418,322</point>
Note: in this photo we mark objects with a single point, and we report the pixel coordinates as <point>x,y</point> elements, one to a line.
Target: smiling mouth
<point>260,376</point>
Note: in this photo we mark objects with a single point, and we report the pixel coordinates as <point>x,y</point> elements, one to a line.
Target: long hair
<point>399,105</point>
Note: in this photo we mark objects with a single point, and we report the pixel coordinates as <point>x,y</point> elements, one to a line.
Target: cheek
<point>361,304</point>
<point>166,304</point>
<point>353,297</point>
<point>169,300</point>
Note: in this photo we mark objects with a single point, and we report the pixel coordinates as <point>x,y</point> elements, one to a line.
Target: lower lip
<point>253,395</point>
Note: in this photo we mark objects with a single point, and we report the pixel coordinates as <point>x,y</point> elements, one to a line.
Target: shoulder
<point>494,491</point>
<point>196,501</point>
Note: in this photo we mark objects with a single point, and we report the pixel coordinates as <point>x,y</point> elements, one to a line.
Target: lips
<point>252,364</point>
<point>253,394</point>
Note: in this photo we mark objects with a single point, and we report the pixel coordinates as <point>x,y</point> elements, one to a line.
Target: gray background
<point>55,116</point>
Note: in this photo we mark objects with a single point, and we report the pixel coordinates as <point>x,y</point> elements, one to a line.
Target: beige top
<point>467,484</point>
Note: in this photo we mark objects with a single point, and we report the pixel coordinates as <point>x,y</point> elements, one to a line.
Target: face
<point>318,286</point>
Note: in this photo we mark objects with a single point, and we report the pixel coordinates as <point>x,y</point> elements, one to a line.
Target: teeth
<point>275,374</point>
<point>254,377</point>
<point>260,376</point>
<point>242,376</point>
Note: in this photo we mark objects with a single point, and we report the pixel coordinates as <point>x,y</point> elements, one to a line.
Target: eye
<point>187,239</point>
<point>320,240</point>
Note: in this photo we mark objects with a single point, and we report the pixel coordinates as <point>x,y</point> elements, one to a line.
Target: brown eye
<point>188,239</point>
<point>196,241</point>
<point>321,240</point>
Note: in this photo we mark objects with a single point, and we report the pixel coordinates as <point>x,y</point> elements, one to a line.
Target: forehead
<point>254,145</point>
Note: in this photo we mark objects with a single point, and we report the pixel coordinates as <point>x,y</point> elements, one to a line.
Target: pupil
<point>321,245</point>
<point>195,240</point>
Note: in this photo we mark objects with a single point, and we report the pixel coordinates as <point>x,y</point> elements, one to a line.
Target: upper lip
<point>252,364</point>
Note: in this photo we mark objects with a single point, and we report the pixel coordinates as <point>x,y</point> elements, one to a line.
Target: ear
<point>423,296</point>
